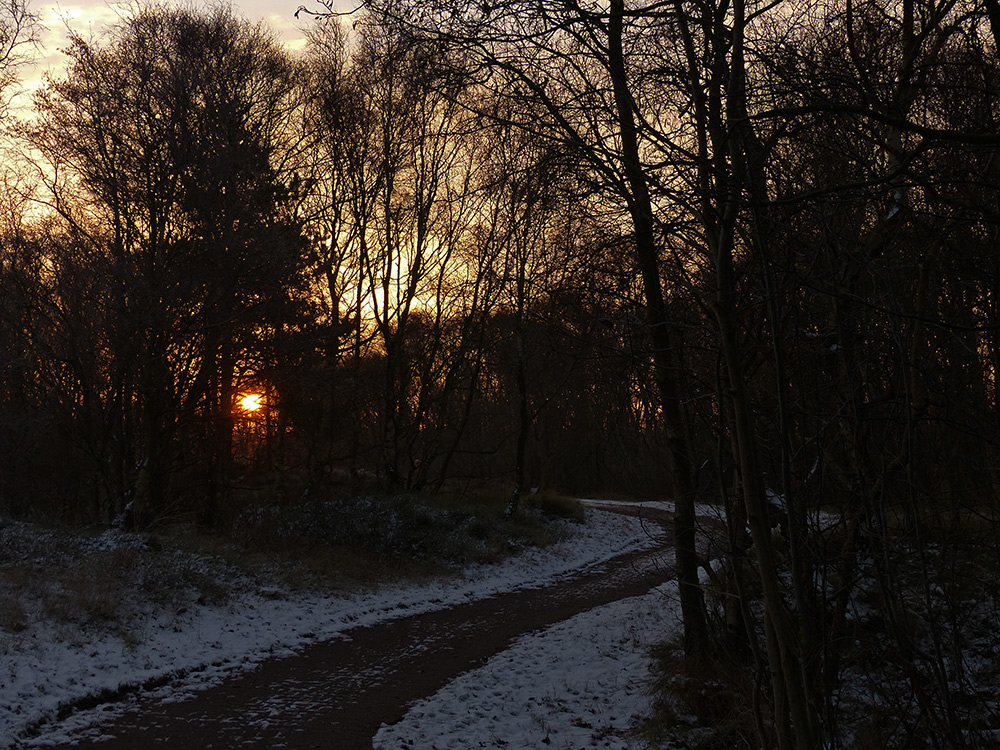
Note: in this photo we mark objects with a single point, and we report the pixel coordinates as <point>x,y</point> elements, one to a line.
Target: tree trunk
<point>791,691</point>
<point>696,635</point>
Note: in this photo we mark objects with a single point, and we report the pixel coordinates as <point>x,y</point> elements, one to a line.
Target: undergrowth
<point>367,538</point>
<point>703,706</point>
<point>102,581</point>
<point>918,666</point>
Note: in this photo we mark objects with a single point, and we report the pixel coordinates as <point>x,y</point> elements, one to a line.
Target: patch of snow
<point>53,664</point>
<point>582,683</point>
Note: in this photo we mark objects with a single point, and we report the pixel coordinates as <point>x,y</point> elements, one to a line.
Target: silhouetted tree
<point>163,144</point>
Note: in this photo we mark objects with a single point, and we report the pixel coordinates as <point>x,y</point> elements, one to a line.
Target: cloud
<point>92,18</point>
<point>59,20</point>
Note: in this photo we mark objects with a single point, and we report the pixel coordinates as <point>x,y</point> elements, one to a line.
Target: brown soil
<point>336,694</point>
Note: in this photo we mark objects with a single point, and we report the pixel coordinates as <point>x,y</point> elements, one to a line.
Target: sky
<point>91,16</point>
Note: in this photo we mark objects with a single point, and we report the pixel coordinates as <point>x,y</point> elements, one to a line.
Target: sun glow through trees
<point>251,402</point>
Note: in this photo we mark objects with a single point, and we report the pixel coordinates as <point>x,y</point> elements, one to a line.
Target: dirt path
<point>336,694</point>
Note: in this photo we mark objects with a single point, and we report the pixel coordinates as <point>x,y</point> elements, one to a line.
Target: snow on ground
<point>582,683</point>
<point>48,664</point>
<point>702,510</point>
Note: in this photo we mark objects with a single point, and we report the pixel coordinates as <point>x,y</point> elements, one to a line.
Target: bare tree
<point>569,61</point>
<point>162,146</point>
<point>18,37</point>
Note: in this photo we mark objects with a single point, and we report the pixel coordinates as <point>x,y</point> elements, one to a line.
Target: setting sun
<point>251,402</point>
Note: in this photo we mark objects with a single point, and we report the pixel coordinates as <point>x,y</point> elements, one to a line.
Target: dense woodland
<point>722,251</point>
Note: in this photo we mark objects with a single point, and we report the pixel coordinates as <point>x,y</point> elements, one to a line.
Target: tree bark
<point>696,635</point>
<point>791,694</point>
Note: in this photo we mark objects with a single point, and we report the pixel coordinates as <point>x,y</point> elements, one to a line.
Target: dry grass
<point>93,590</point>
<point>554,505</point>
<point>13,617</point>
<point>402,532</point>
<point>942,522</point>
<point>493,500</point>
<point>706,705</point>
<point>101,583</point>
<point>108,582</point>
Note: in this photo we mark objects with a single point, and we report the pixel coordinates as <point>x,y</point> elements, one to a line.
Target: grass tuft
<point>705,705</point>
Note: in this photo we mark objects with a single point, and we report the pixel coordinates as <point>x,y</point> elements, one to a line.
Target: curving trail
<point>336,694</point>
